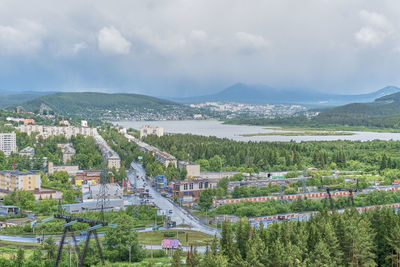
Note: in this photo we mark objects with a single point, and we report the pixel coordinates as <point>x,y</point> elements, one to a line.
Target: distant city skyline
<point>191,48</point>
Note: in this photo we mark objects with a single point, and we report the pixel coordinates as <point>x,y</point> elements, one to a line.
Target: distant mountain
<point>90,104</point>
<point>260,94</point>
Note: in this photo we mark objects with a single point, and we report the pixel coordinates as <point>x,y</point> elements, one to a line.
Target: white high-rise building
<point>8,143</point>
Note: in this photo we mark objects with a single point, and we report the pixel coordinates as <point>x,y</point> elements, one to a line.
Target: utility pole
<point>130,251</point>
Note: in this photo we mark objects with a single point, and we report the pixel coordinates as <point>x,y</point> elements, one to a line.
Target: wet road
<point>179,215</point>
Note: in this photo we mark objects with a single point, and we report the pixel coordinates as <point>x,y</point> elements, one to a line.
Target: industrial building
<point>94,192</point>
<point>111,205</point>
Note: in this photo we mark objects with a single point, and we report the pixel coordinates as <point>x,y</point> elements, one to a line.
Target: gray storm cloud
<point>196,47</point>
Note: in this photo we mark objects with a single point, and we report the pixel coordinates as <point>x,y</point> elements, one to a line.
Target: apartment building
<point>27,152</point>
<point>46,131</point>
<point>8,143</point>
<point>18,180</point>
<point>113,159</point>
<point>151,130</point>
<point>192,169</point>
<point>67,151</point>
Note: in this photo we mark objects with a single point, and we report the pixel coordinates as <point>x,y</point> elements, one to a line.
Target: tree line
<point>214,153</point>
<point>348,239</point>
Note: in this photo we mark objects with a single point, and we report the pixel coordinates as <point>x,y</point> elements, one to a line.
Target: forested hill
<point>96,104</point>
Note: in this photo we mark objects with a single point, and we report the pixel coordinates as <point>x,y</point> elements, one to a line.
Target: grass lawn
<point>193,237</point>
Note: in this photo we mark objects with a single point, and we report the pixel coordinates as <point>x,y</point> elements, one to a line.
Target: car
<point>170,211</point>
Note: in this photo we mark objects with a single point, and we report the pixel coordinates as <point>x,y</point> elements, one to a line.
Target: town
<point>184,194</point>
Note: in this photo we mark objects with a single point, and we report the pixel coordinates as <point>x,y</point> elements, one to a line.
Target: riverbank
<point>301,133</point>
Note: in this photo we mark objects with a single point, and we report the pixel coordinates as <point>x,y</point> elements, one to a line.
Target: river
<point>235,132</point>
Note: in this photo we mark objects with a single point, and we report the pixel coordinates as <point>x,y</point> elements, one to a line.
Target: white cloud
<point>248,42</point>
<point>25,37</point>
<point>377,29</point>
<point>79,46</point>
<point>198,35</point>
<point>370,36</point>
<point>110,40</point>
<point>375,20</point>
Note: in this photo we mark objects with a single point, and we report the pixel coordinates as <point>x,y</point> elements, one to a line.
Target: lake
<point>234,132</point>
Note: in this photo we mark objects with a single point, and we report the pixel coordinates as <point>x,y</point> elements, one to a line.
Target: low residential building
<point>192,187</point>
<point>18,180</point>
<point>27,152</point>
<point>88,177</point>
<point>48,193</point>
<point>8,143</point>
<point>70,169</point>
<point>192,168</point>
<point>151,130</point>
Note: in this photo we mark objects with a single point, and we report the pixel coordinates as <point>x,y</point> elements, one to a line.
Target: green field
<point>193,237</point>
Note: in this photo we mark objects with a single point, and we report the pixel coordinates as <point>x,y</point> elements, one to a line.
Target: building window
<point>191,186</point>
<point>206,185</point>
<point>185,187</point>
<point>201,185</point>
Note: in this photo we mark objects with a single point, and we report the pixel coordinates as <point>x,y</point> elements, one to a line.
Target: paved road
<point>179,215</point>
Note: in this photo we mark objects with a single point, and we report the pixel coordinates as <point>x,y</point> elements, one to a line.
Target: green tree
<point>121,239</point>
<point>206,199</point>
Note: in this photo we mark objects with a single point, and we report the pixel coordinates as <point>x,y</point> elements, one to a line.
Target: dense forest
<point>268,156</point>
<point>349,239</point>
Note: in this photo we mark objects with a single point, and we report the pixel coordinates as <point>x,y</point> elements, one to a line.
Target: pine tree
<point>176,258</point>
<point>360,241</point>
<point>321,256</point>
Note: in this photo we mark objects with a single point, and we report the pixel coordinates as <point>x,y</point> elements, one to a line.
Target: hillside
<point>261,94</point>
<point>14,98</point>
<point>384,112</point>
<point>102,105</point>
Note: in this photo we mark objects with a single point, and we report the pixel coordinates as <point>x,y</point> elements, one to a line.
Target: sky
<point>179,48</point>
